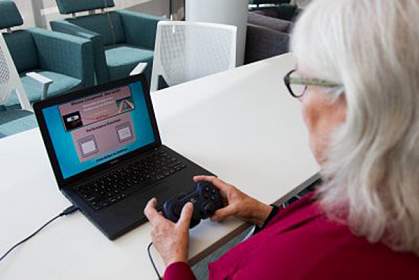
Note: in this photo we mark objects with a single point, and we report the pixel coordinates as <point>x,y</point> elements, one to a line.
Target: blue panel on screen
<point>90,131</point>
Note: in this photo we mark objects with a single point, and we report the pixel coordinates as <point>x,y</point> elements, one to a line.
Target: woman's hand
<point>239,204</point>
<point>170,240</point>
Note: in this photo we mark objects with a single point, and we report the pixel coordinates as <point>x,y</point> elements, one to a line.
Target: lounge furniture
<point>276,24</point>
<point>121,39</point>
<point>266,37</point>
<point>268,2</point>
<point>64,60</point>
<point>285,12</point>
<point>19,119</point>
<point>189,50</point>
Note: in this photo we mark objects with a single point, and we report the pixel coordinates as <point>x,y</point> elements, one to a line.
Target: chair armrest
<point>43,82</point>
<point>273,2</point>
<point>270,22</point>
<point>262,43</point>
<point>41,79</point>
<point>283,11</point>
<point>73,29</point>
<point>66,54</point>
<point>140,29</point>
<point>139,69</point>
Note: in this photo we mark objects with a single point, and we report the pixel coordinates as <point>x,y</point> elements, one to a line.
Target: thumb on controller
<point>186,215</point>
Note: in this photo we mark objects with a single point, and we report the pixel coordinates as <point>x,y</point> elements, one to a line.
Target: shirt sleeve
<point>295,206</point>
<point>179,271</point>
<point>271,217</point>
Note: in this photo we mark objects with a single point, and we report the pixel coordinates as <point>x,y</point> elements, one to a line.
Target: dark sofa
<point>266,37</point>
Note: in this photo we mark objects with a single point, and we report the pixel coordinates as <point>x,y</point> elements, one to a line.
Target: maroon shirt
<point>301,243</point>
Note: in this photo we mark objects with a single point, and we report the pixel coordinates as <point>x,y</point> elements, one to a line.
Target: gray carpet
<point>15,121</point>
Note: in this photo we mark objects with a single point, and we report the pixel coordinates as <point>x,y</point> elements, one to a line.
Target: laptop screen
<point>89,131</point>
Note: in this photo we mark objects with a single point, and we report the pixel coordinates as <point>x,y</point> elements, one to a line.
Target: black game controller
<point>206,200</point>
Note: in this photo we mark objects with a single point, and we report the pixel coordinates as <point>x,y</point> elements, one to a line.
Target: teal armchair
<point>65,60</point>
<point>121,39</point>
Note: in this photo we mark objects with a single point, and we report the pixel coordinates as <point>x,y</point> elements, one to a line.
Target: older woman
<point>357,78</point>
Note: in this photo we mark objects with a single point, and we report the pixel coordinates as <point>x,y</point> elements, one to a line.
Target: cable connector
<point>69,210</point>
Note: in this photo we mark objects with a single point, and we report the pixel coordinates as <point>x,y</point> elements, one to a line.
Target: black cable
<point>67,211</point>
<point>152,262</point>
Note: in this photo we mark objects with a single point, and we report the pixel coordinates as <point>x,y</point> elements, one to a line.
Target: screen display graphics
<point>98,128</point>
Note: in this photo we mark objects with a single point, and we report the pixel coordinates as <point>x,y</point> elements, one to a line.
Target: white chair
<point>186,51</point>
<point>12,120</point>
<point>9,78</point>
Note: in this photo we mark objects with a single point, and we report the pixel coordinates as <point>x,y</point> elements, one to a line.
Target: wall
<point>232,12</point>
<point>25,8</point>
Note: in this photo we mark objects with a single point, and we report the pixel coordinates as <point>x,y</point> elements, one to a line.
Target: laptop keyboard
<point>120,183</point>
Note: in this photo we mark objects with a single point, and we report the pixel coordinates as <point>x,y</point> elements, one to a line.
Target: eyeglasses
<point>297,86</point>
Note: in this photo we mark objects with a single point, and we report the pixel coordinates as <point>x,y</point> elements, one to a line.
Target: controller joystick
<point>206,200</point>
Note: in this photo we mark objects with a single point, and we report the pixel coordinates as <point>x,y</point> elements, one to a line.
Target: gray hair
<point>372,167</point>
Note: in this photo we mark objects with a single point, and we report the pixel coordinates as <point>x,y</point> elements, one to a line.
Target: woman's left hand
<point>170,240</point>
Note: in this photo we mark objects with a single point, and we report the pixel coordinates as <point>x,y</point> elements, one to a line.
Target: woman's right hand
<point>239,204</point>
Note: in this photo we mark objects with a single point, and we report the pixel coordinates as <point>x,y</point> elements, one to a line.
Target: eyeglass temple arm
<point>312,82</point>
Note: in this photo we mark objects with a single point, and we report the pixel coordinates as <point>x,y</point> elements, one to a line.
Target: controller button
<point>177,209</point>
<point>209,208</point>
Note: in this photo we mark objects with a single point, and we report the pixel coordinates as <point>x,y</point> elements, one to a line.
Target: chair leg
<point>23,100</point>
<point>154,81</point>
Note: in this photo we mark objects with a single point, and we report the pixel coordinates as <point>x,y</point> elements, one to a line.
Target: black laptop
<point>107,156</point>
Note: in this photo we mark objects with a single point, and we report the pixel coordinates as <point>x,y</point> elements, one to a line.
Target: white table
<point>241,124</point>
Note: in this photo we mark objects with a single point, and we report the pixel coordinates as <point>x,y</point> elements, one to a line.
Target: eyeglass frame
<point>305,82</point>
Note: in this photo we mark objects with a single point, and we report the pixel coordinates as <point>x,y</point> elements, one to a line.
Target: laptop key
<point>125,181</point>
